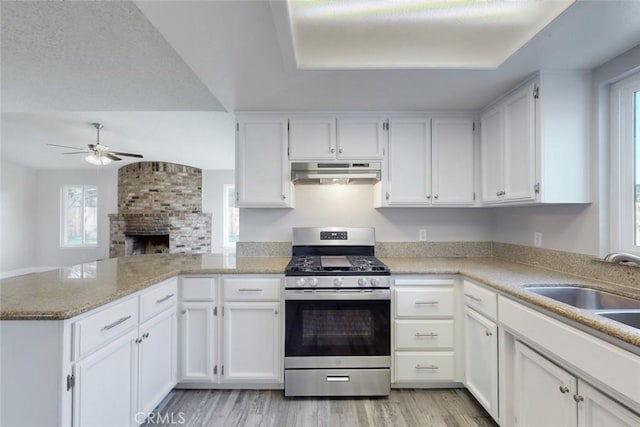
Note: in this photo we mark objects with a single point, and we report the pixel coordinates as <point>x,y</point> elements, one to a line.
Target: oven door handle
<point>378,294</point>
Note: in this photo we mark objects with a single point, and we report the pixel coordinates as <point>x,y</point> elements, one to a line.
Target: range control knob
<point>338,281</point>
<point>362,281</point>
<point>375,282</point>
<point>300,281</point>
<point>313,282</point>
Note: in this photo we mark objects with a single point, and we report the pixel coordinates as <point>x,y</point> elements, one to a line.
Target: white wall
<point>18,217</point>
<point>49,252</point>
<point>352,206</point>
<point>582,229</point>
<point>213,199</point>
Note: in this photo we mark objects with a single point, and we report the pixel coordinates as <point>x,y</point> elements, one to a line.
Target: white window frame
<point>63,217</point>
<point>622,196</point>
<point>226,244</point>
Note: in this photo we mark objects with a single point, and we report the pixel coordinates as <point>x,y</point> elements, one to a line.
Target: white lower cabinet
<point>158,351</point>
<point>547,395</point>
<point>424,331</point>
<point>252,342</point>
<point>481,360</point>
<point>105,391</point>
<point>197,341</point>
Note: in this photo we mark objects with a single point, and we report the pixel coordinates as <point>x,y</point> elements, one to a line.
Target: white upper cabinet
<point>430,163</point>
<point>317,138</point>
<point>408,180</point>
<point>312,138</point>
<point>452,161</point>
<point>262,167</point>
<point>361,138</point>
<point>534,146</point>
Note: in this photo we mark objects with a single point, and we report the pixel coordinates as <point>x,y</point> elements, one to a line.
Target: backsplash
<point>587,266</point>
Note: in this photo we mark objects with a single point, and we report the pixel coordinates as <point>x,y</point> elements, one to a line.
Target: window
<point>231,217</point>
<point>625,166</point>
<point>79,215</point>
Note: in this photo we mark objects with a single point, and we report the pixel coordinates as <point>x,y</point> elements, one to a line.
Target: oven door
<point>343,330</point>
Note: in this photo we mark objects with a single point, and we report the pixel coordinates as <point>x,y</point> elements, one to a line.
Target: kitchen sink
<point>630,318</point>
<point>585,298</point>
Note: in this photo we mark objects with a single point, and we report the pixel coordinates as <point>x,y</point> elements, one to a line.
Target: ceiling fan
<point>98,154</point>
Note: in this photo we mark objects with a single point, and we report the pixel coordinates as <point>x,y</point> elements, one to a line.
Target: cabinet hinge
<point>215,311</point>
<point>71,381</point>
<point>474,126</point>
<point>223,310</point>
<point>536,93</point>
<point>222,373</point>
<point>474,195</point>
<point>237,127</point>
<point>536,188</point>
<point>215,370</point>
<point>387,196</point>
<point>237,196</point>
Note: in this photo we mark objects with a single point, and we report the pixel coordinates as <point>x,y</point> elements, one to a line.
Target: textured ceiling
<point>92,56</point>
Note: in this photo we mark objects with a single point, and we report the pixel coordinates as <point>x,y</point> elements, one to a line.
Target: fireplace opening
<point>142,244</point>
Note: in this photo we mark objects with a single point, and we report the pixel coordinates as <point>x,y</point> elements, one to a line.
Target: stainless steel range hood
<point>335,173</point>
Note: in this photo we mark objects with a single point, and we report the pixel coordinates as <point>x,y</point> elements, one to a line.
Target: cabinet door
<point>519,145</point>
<point>312,139</point>
<point>452,162</point>
<point>157,360</point>
<point>262,165</point>
<point>596,409</point>
<point>197,341</point>
<point>252,342</point>
<point>481,360</point>
<point>543,392</point>
<point>491,156</point>
<point>409,173</point>
<point>360,138</point>
<point>105,392</point>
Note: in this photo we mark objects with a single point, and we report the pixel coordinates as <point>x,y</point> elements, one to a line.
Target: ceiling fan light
<point>98,160</point>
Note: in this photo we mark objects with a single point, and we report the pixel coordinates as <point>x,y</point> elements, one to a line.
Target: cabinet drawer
<point>198,288</point>
<point>424,334</point>
<point>158,299</point>
<point>425,366</point>
<point>481,299</point>
<point>424,302</point>
<point>95,330</point>
<point>252,288</point>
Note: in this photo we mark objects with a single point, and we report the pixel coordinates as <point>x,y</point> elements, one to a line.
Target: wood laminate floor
<point>410,407</point>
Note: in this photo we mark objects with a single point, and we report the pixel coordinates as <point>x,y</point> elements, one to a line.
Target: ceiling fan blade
<point>66,146</point>
<point>111,156</point>
<point>78,152</point>
<point>139,156</point>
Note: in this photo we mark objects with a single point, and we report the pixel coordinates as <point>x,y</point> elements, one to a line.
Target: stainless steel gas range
<point>337,315</point>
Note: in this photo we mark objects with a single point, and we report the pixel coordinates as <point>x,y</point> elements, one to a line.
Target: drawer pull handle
<point>473,298</point>
<point>564,389</point>
<point>250,290</point>
<point>344,379</point>
<point>161,300</point>
<point>427,302</point>
<point>430,334</point>
<point>116,323</point>
<point>429,368</point>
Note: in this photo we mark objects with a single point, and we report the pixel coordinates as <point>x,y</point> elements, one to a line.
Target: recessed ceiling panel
<point>343,34</point>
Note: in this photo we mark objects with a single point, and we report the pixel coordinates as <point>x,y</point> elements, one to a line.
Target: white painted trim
<point>23,271</point>
<point>622,164</point>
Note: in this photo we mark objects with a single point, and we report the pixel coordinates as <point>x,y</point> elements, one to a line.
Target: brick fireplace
<point>159,211</point>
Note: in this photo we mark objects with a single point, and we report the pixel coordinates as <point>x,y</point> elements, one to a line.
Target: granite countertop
<point>66,292</point>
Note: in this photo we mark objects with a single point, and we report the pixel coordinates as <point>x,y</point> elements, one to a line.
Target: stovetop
<point>336,265</point>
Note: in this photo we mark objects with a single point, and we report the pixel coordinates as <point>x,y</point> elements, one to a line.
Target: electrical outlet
<point>537,239</point>
<point>422,234</point>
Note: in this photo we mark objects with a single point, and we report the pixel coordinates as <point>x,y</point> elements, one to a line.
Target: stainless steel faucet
<point>623,258</point>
